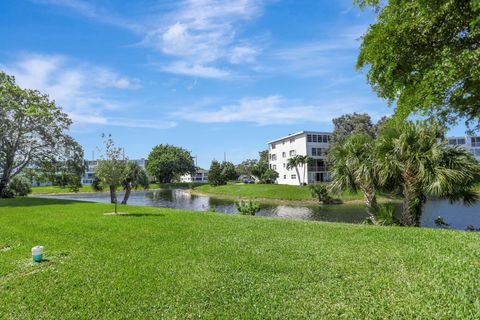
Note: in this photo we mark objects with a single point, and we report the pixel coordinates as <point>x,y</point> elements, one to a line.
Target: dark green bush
<point>20,186</point>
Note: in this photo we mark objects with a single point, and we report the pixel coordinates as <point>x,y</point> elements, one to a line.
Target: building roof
<point>297,134</point>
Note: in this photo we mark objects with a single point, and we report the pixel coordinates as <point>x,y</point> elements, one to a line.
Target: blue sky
<point>209,76</point>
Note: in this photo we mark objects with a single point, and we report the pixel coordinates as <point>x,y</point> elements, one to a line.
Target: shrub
<point>384,215</point>
<point>320,191</point>
<point>97,184</point>
<point>20,186</point>
<point>215,176</point>
<point>247,207</point>
<point>7,192</point>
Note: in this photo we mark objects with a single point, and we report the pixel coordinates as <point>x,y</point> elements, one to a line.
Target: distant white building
<point>200,176</point>
<point>91,166</point>
<point>311,143</point>
<point>471,143</point>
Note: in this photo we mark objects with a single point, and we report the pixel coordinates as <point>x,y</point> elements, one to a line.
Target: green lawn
<point>86,188</point>
<point>161,263</point>
<point>271,191</point>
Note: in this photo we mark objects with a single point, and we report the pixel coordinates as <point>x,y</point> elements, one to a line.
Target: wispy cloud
<point>199,38</point>
<point>81,89</point>
<point>201,33</point>
<point>94,12</point>
<point>274,109</point>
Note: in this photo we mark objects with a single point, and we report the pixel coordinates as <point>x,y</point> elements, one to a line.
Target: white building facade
<point>311,143</point>
<point>200,176</point>
<point>471,143</point>
<point>91,166</point>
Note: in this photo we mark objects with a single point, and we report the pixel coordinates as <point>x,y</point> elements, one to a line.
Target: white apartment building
<point>91,166</point>
<point>200,176</point>
<point>311,143</point>
<point>471,143</point>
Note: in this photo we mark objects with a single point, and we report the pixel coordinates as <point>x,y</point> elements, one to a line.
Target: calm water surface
<point>457,215</point>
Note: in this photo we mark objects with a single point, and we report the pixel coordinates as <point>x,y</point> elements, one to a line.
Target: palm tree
<point>353,168</point>
<point>135,177</point>
<point>303,161</point>
<point>413,155</point>
<point>293,163</point>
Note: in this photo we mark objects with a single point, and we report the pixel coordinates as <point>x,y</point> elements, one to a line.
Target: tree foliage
<point>413,155</point>
<point>33,130</point>
<point>321,192</point>
<point>134,177</point>
<point>349,124</point>
<point>111,169</point>
<point>228,171</point>
<point>215,176</point>
<point>166,163</point>
<point>424,55</point>
<point>354,168</point>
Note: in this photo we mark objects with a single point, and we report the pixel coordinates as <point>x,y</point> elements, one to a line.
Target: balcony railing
<point>317,168</point>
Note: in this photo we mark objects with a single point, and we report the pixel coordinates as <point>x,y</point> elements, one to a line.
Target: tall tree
<point>32,130</point>
<point>293,163</point>
<point>133,178</point>
<point>167,162</point>
<point>215,176</point>
<point>413,155</point>
<point>228,171</point>
<point>349,124</point>
<point>111,170</point>
<point>424,56</point>
<point>354,168</point>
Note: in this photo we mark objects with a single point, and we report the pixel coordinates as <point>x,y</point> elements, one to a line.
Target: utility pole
<point>224,157</point>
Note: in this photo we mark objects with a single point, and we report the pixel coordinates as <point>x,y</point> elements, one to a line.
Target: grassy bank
<point>161,263</point>
<point>274,191</point>
<point>86,188</point>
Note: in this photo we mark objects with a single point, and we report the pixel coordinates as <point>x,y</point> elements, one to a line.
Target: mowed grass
<point>88,188</point>
<point>275,191</point>
<point>161,263</point>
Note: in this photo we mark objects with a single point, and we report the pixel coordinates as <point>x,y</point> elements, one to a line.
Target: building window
<point>292,153</point>
<point>284,165</point>
<point>325,139</point>
<point>309,138</point>
<point>284,154</point>
<point>273,146</point>
<point>452,142</point>
<point>314,138</point>
<point>475,141</point>
<point>274,167</point>
<point>292,140</point>
<point>273,157</point>
<point>285,176</point>
<point>476,152</point>
<point>294,176</point>
<point>461,141</point>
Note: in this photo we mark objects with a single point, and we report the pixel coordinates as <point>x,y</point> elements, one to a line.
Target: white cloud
<point>80,89</point>
<point>198,70</point>
<point>94,12</point>
<point>195,36</point>
<point>202,33</point>
<point>274,109</point>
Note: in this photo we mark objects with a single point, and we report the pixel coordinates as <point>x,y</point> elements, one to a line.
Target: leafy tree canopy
<point>425,56</point>
<point>229,171</point>
<point>215,176</point>
<point>32,130</point>
<point>166,162</point>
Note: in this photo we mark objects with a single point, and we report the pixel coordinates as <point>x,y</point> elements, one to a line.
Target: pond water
<point>458,215</point>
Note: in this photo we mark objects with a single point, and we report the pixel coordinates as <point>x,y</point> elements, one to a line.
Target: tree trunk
<point>127,195</point>
<point>3,185</point>
<point>298,176</point>
<point>304,169</point>
<point>371,202</point>
<point>412,207</point>
<point>113,194</point>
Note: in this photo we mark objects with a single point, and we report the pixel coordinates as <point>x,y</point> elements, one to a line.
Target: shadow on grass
<point>31,201</point>
<point>140,215</point>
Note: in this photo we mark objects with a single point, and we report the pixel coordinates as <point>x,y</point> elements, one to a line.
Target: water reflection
<point>457,215</point>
